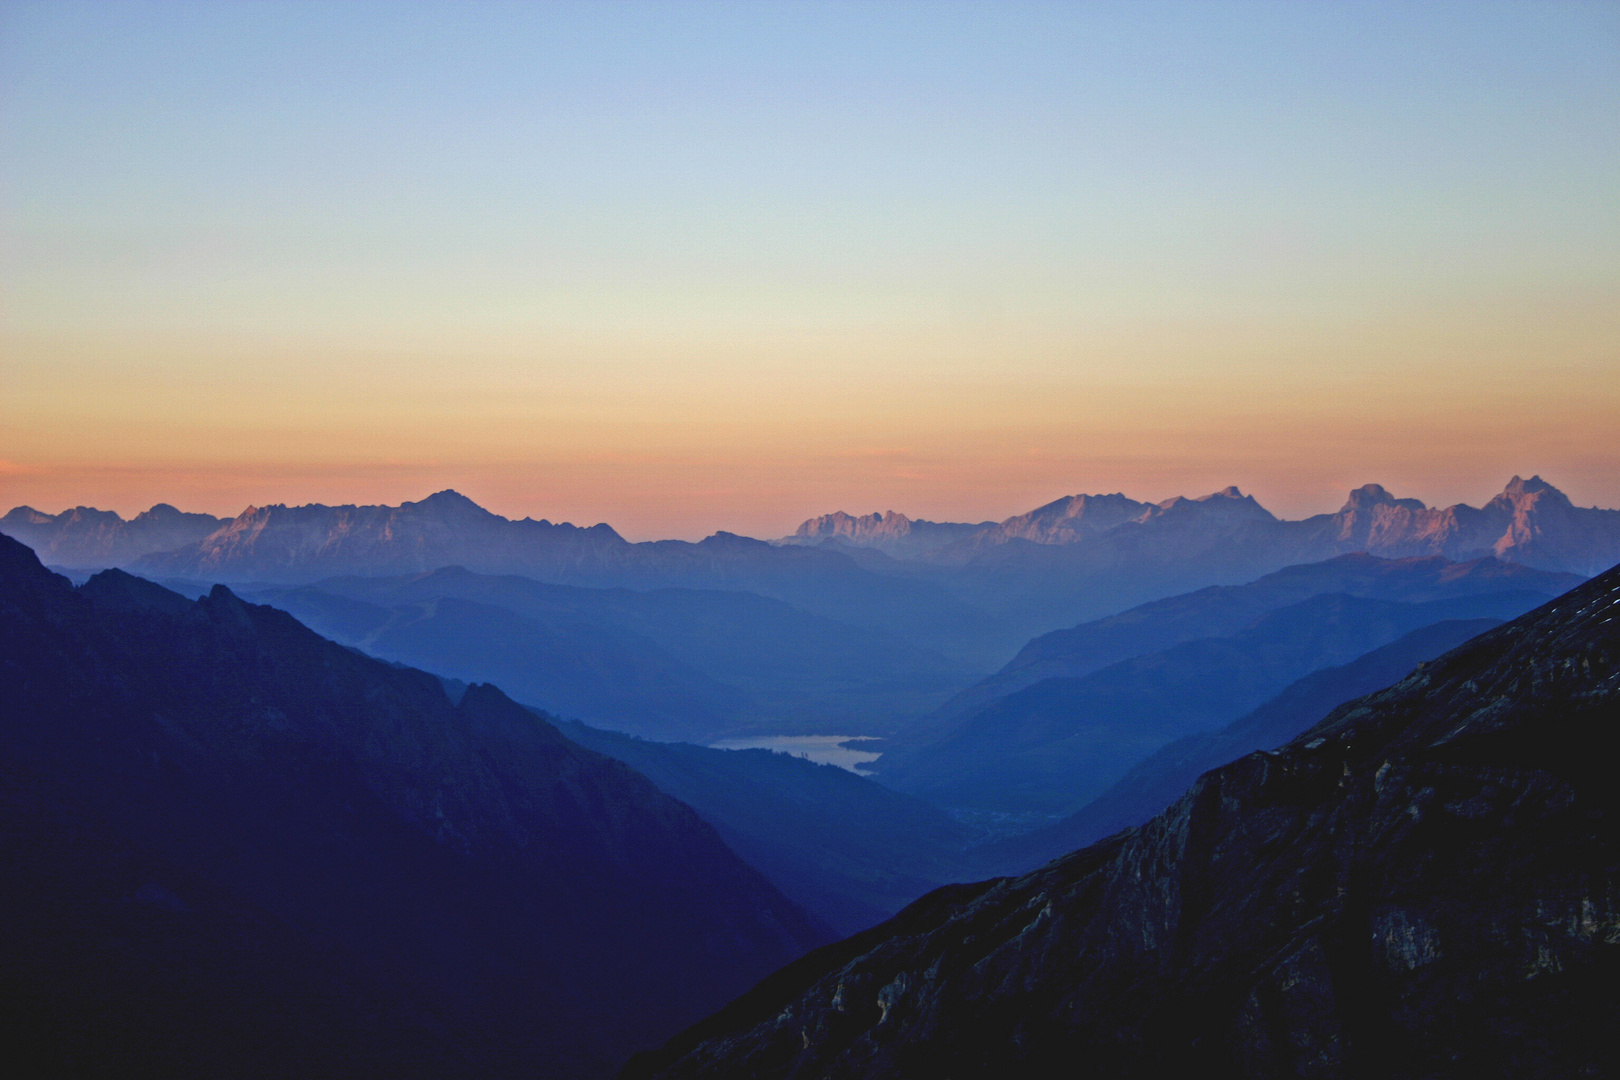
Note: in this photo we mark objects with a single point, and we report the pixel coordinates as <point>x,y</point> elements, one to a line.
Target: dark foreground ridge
<point>229,847</point>
<point>1427,883</point>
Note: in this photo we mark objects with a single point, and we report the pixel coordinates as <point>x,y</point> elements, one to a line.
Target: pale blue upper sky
<point>469,240</point>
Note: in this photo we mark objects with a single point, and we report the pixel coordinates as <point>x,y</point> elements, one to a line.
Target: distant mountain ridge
<point>891,532</point>
<point>973,593</point>
<point>294,545</point>
<point>86,538</point>
<point>280,542</point>
<point>1530,522</point>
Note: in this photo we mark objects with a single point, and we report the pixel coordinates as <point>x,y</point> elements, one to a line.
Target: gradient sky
<point>683,267</point>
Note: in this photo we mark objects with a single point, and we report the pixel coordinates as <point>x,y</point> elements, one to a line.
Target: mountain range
<point>1426,883</point>
<point>970,592</point>
<point>87,538</point>
<point>1530,522</point>
<point>1088,556</point>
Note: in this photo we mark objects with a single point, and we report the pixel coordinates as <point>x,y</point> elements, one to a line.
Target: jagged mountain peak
<point>841,524</point>
<point>1519,490</point>
<point>1227,502</point>
<point>26,515</point>
<point>448,501</point>
<point>1370,496</point>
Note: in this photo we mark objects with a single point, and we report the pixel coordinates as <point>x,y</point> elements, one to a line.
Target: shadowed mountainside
<point>575,669</point>
<point>1054,746</point>
<point>1425,884</point>
<point>1221,610</point>
<point>1158,779</point>
<point>663,663</point>
<point>231,847</point>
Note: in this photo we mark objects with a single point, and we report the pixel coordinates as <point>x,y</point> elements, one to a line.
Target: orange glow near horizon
<point>661,443</point>
<point>663,447</point>
<point>731,266</point>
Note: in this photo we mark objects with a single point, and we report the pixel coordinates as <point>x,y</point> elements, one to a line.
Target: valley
<point>845,728</point>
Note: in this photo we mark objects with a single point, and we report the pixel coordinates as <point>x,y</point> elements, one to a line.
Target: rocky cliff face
<point>889,532</point>
<point>1530,522</point>
<point>1067,520</point>
<point>1425,884</point>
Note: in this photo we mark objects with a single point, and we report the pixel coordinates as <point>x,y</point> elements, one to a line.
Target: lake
<point>822,749</point>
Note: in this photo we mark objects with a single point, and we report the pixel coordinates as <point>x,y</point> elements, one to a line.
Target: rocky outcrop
<point>1530,522</point>
<point>1425,884</point>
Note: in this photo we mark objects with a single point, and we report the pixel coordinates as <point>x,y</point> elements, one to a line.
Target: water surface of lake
<point>822,749</point>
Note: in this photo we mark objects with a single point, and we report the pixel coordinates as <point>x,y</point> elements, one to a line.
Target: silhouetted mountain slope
<point>1220,610</point>
<point>235,848</point>
<point>851,851</point>
<point>1155,782</point>
<point>88,538</point>
<point>1426,884</point>
<point>728,659</point>
<point>304,544</point>
<point>1054,746</point>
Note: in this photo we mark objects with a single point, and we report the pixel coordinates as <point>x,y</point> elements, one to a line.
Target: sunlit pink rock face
<point>1530,522</point>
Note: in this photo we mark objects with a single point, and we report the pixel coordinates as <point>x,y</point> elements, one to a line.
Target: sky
<point>684,267</point>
